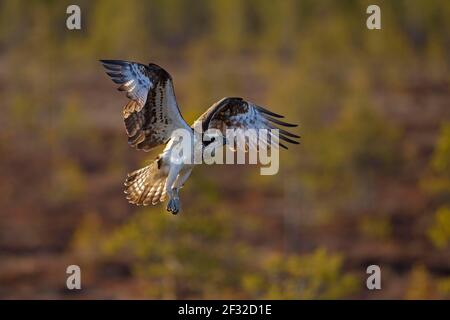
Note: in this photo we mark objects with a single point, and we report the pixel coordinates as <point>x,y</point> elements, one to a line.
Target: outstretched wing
<point>236,113</point>
<point>152,113</point>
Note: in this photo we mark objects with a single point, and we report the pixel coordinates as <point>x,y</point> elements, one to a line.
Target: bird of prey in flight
<point>152,117</point>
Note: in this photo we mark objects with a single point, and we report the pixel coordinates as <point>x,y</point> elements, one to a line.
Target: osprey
<point>152,118</point>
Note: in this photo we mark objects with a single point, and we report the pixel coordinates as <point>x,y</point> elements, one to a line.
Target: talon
<point>173,206</point>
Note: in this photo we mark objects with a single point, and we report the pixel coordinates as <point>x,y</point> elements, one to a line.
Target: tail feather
<point>146,185</point>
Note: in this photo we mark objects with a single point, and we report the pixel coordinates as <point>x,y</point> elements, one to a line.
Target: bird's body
<point>152,118</point>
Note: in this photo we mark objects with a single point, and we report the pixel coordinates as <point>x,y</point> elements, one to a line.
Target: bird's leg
<point>173,205</point>
<point>175,190</point>
<point>182,177</point>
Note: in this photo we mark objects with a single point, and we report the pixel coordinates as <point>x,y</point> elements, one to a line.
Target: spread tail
<point>146,185</point>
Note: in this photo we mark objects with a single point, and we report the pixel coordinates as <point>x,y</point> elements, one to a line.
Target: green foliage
<point>181,257</point>
<point>343,159</point>
<point>106,27</point>
<point>367,140</point>
<point>439,231</point>
<point>86,240</point>
<point>443,287</point>
<point>375,227</point>
<point>421,284</point>
<point>70,122</point>
<point>191,258</point>
<point>441,156</point>
<point>68,183</point>
<point>437,180</point>
<point>317,275</point>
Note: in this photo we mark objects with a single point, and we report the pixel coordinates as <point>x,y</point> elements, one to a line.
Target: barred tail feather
<point>146,185</point>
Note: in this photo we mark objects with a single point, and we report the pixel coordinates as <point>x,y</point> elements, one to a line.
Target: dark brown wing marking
<point>236,113</point>
<point>152,114</point>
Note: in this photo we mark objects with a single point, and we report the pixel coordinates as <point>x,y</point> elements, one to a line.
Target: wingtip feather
<point>268,112</point>
<point>281,123</point>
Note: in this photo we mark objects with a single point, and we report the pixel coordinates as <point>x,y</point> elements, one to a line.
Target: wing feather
<point>236,113</point>
<point>152,113</point>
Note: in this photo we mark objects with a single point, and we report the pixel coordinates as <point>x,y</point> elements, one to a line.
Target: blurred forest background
<point>370,183</point>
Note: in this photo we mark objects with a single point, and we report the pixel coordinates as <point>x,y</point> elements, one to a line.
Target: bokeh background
<point>370,183</point>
